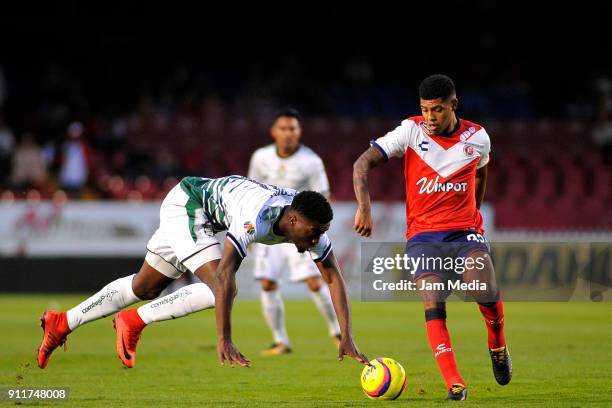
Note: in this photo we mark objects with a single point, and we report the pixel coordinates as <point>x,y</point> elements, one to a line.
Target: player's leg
<point>116,295</point>
<point>302,269</point>
<point>268,263</point>
<point>188,299</point>
<point>182,243</point>
<point>491,306</point>
<point>434,302</point>
<point>184,301</point>
<point>274,313</point>
<point>319,292</point>
<point>428,245</point>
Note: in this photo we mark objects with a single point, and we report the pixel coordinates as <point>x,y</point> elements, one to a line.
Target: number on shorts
<point>476,237</point>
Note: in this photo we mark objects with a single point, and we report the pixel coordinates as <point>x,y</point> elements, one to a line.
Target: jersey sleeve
<point>318,178</point>
<point>241,234</point>
<point>396,142</point>
<point>486,151</point>
<point>322,249</point>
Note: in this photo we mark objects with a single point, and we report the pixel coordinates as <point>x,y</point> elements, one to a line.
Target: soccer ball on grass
<point>384,379</point>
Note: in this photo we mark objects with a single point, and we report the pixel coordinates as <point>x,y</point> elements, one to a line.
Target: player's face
<point>438,113</point>
<point>286,133</point>
<point>305,234</point>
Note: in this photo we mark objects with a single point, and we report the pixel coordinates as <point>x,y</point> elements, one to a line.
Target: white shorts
<point>272,260</point>
<point>184,240</point>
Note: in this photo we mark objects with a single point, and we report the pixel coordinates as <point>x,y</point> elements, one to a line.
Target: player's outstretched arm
<point>225,291</point>
<point>331,274</point>
<point>361,169</point>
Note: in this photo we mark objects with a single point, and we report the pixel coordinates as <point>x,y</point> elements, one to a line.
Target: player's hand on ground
<point>348,348</point>
<point>363,222</point>
<point>228,352</point>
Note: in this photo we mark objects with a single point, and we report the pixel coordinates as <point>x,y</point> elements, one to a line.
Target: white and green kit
<point>190,216</point>
<point>198,208</point>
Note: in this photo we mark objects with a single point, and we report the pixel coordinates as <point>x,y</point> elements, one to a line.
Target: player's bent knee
<point>147,289</point>
<point>146,293</point>
<point>149,282</point>
<point>314,284</point>
<point>206,273</point>
<point>489,296</point>
<point>268,285</point>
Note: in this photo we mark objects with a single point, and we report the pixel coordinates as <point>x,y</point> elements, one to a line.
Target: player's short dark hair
<point>313,206</point>
<point>287,113</point>
<point>436,86</point>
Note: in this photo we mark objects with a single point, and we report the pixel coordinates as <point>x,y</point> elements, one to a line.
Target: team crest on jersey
<point>468,149</point>
<point>249,228</point>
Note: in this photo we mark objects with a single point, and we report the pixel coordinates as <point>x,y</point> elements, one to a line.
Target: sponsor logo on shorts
<point>209,230</point>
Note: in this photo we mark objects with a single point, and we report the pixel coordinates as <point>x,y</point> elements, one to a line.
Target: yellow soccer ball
<point>385,379</point>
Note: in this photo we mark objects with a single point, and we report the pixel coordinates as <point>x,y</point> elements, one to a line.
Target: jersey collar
<point>453,131</point>
<point>275,226</point>
<point>291,155</point>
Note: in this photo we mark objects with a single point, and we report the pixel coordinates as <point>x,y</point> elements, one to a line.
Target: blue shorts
<point>444,246</point>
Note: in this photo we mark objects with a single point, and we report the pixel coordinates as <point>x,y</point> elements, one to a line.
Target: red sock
<point>494,319</point>
<point>440,343</point>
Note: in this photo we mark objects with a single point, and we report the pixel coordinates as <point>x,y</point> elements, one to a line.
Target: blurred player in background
<point>288,163</point>
<point>446,172</point>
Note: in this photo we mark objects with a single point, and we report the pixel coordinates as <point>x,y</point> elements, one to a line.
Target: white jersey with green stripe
<point>245,208</point>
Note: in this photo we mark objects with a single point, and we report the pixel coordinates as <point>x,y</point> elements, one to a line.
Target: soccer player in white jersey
<point>190,215</point>
<point>445,168</point>
<point>288,163</point>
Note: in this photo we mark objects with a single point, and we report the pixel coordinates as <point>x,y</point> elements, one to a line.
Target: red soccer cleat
<point>128,326</point>
<point>55,330</point>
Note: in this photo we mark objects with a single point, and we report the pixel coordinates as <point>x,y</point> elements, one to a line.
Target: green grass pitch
<point>562,355</point>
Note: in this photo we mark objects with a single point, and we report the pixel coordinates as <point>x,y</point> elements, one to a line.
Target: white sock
<point>188,299</point>
<point>322,299</point>
<point>274,312</point>
<point>112,298</point>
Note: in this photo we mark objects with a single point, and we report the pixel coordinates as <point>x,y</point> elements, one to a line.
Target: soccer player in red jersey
<point>446,172</point>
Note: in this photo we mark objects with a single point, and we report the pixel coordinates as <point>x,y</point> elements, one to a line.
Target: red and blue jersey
<point>440,173</point>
